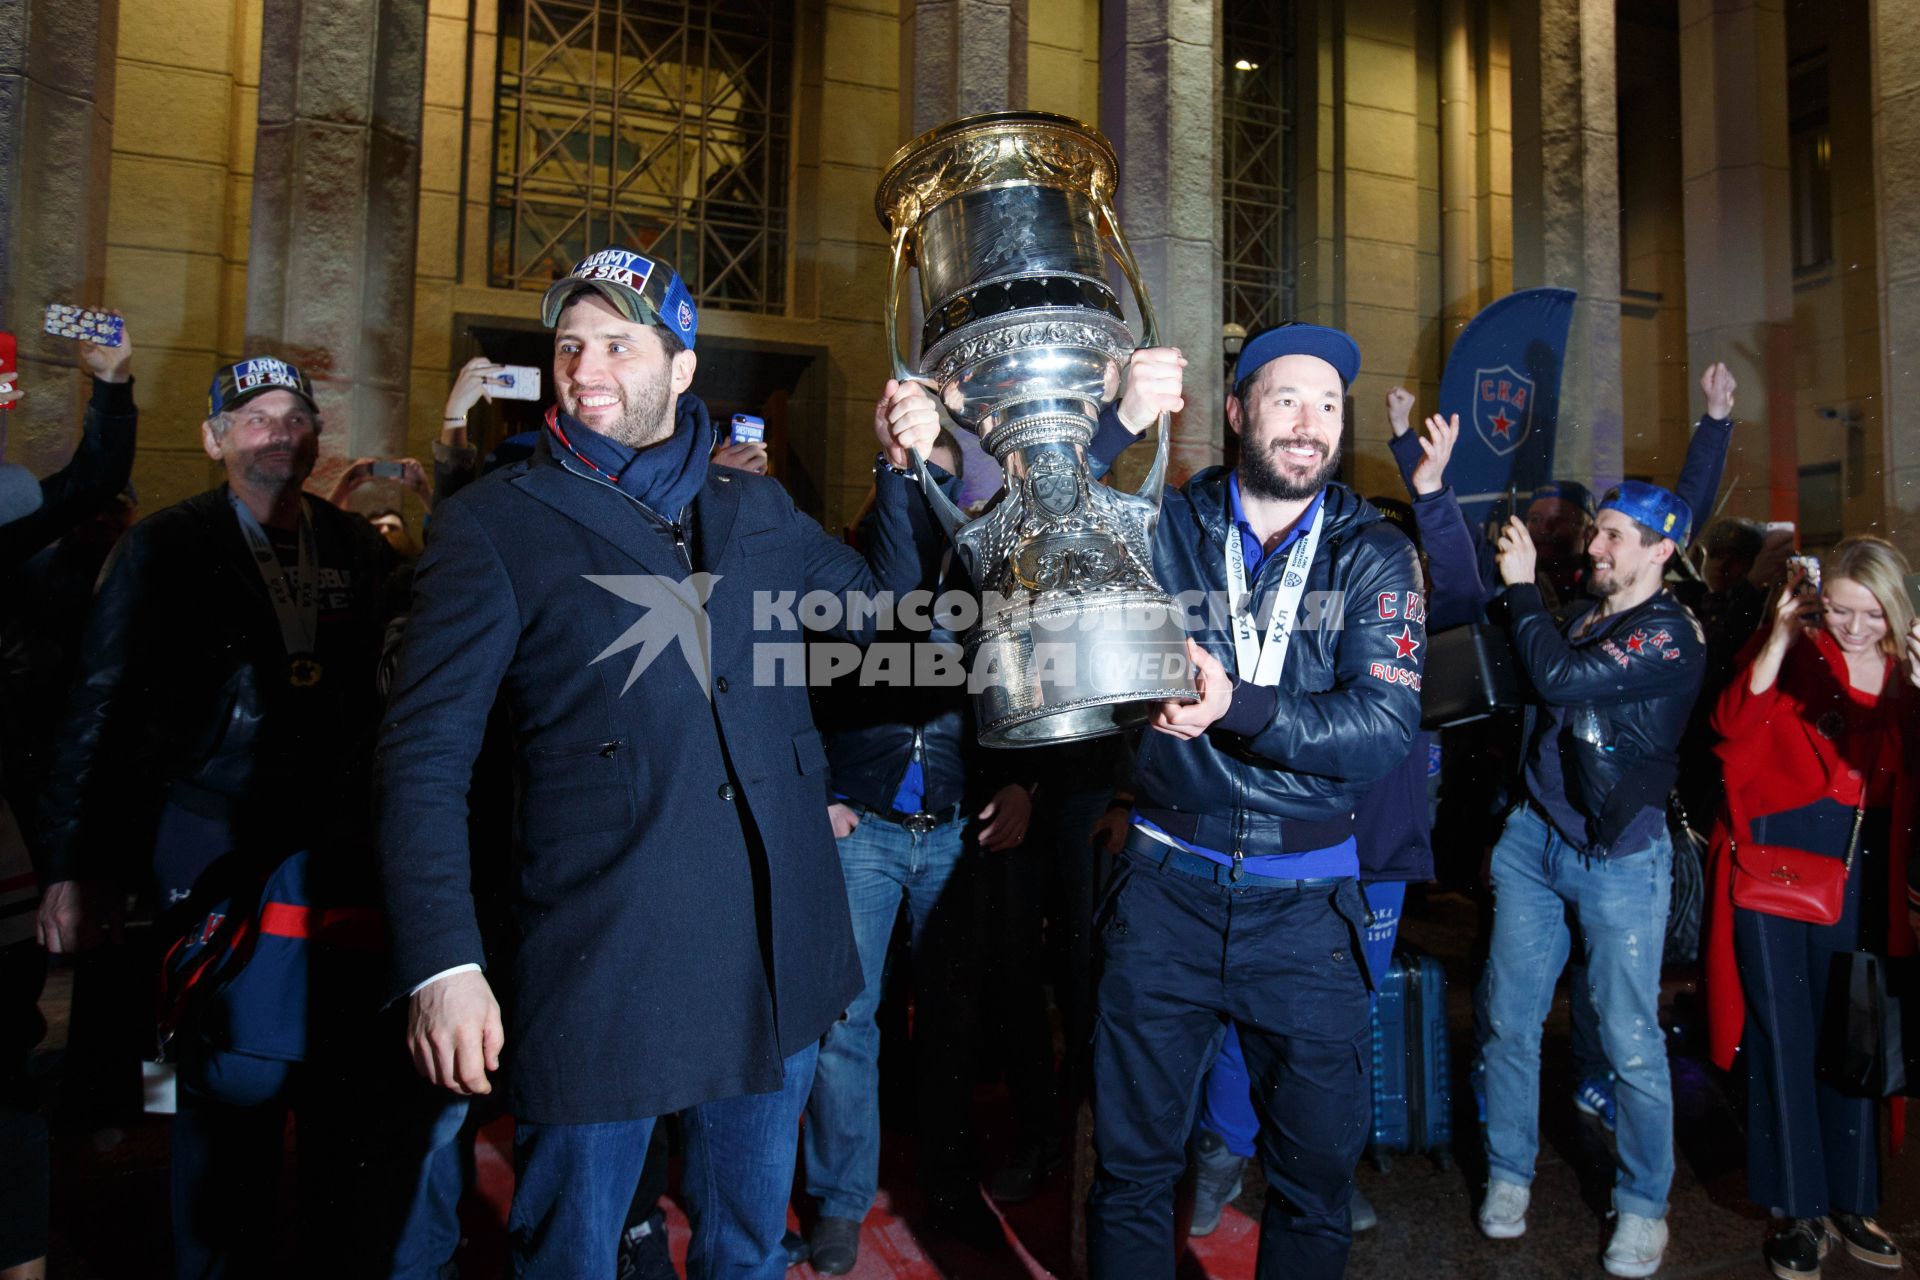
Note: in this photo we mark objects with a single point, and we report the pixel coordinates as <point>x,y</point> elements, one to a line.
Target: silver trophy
<point>1005,216</point>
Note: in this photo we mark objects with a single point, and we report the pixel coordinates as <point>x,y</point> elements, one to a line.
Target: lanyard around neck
<point>296,597</point>
<point>1261,663</point>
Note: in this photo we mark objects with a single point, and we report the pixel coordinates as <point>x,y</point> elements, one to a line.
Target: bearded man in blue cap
<point>680,928</point>
<point>1237,901</point>
<point>1614,678</point>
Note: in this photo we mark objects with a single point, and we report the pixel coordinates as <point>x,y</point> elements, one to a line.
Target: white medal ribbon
<point>1261,663</point>
<point>296,600</point>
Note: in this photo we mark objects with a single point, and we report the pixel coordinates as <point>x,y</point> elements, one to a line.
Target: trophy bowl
<point>1007,219</point>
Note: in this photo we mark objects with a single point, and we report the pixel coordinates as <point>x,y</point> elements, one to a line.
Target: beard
<point>645,418</point>
<point>1261,473</point>
<point>1612,585</point>
<point>276,468</point>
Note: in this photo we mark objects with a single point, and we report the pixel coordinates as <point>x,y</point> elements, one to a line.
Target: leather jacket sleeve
<point>95,786</point>
<point>1360,729</point>
<point>1660,660</point>
<point>1453,560</point>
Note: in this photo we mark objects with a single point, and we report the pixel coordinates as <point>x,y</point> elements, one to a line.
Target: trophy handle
<point>951,517</point>
<point>1151,487</point>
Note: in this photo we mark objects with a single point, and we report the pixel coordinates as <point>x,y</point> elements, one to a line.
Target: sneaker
<point>1477,1080</point>
<point>1794,1250</point>
<point>1018,1181</point>
<point>835,1246</point>
<point>642,1254</point>
<point>1503,1214</point>
<point>1594,1098</point>
<point>1216,1182</point>
<point>1636,1246</point>
<point>1864,1239</point>
<point>1364,1218</point>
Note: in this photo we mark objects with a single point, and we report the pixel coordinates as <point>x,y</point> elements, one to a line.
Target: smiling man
<point>680,936</point>
<point>1237,901</point>
<point>1614,679</point>
<point>222,721</point>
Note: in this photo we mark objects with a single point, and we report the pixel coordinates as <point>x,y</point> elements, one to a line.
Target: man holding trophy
<point>1236,901</point>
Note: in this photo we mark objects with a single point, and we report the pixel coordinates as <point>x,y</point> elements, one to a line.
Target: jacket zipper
<point>1240,811</point>
<point>679,531</point>
<point>676,528</point>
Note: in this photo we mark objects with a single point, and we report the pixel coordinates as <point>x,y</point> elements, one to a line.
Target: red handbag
<point>1793,883</point>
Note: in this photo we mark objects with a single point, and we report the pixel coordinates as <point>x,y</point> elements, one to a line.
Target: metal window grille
<point>658,125</point>
<point>1256,193</point>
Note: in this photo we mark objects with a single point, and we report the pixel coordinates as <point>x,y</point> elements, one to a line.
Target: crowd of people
<point>522,807</point>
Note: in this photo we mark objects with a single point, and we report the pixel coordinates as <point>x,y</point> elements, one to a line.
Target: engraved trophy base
<point>1060,668</point>
<point>1075,639</point>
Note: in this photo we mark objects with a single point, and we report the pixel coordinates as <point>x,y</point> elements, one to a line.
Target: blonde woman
<point>1817,726</point>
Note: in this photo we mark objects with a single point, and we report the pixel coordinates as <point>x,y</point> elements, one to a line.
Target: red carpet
<point>1037,1232</point>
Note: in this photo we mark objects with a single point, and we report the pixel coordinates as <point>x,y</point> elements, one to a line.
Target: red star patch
<point>1405,644</point>
<point>1636,640</point>
<point>1502,424</point>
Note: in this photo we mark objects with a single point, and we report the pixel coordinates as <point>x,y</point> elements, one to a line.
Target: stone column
<point>1896,185</point>
<point>1566,211</point>
<point>963,57</point>
<point>1460,250</point>
<point>1739,248</point>
<point>56,141</point>
<point>335,193</point>
<point>1159,104</point>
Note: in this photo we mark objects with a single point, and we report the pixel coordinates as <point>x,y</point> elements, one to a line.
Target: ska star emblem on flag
<point>1502,407</point>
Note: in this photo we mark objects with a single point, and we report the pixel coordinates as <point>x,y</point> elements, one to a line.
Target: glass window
<point>657,125</point>
<point>1810,164</point>
<point>1256,162</point>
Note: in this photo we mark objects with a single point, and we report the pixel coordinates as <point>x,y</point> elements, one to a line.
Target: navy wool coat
<point>679,915</point>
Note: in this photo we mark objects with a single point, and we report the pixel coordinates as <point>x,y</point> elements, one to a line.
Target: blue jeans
<point>574,1183</point>
<point>1226,1100</point>
<point>1621,905</point>
<point>885,865</point>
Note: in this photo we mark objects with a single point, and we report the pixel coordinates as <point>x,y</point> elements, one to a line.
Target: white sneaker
<point>1503,1214</point>
<point>1636,1247</point>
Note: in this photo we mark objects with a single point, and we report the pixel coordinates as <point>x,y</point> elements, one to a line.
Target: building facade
<point>381,188</point>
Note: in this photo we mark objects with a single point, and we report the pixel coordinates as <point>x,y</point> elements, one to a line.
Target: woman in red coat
<point>1817,724</point>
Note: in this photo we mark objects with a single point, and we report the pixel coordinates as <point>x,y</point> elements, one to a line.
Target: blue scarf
<point>664,477</point>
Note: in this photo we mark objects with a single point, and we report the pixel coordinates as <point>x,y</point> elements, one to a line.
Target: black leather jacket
<point>1612,703</point>
<point>183,694</point>
<point>1282,771</point>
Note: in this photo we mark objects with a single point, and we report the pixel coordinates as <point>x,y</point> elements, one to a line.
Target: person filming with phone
<point>1808,865</point>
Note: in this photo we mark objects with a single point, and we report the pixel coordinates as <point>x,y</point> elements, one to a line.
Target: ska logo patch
<point>1502,407</point>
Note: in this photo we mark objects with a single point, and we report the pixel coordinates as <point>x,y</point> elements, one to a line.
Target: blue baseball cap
<point>644,290</point>
<point>1653,507</point>
<point>235,384</point>
<point>1290,339</point>
<point>1567,491</point>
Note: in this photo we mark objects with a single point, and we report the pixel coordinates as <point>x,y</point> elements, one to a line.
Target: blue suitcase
<point>1412,1096</point>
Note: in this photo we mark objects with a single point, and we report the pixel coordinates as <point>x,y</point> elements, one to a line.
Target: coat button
<point>726,791</point>
<point>720,683</point>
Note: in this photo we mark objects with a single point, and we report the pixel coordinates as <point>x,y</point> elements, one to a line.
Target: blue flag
<point>1503,379</point>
